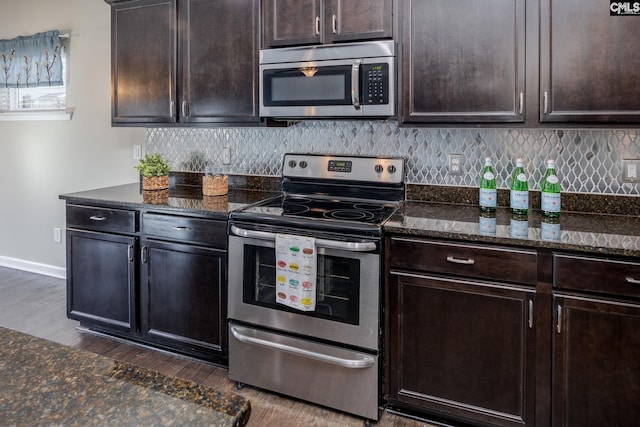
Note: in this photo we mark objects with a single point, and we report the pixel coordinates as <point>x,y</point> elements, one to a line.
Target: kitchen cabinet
<point>303,22</point>
<point>596,345</point>
<point>463,62</point>
<point>184,62</point>
<point>150,276</point>
<point>101,267</point>
<point>461,331</point>
<point>183,275</point>
<point>588,69</point>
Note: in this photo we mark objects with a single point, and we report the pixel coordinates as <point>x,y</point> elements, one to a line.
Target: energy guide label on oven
<point>296,271</point>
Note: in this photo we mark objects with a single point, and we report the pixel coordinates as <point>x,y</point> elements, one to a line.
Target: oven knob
<point>379,169</point>
<point>391,169</point>
<point>292,163</point>
<point>303,164</point>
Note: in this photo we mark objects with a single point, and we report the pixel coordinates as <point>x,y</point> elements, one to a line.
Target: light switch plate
<point>630,170</point>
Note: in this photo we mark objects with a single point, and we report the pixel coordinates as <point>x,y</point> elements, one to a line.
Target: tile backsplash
<point>588,160</point>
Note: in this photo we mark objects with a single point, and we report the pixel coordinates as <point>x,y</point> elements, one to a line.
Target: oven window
<point>337,284</point>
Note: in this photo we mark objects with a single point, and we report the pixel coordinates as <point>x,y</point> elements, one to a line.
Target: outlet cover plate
<point>455,164</point>
<point>630,170</point>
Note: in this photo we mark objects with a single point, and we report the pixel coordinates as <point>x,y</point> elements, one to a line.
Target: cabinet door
<point>463,61</point>
<point>589,63</point>
<point>182,296</point>
<point>219,60</point>
<point>291,22</point>
<point>461,349</point>
<point>350,20</point>
<point>101,284</point>
<point>143,61</point>
<point>596,365</point>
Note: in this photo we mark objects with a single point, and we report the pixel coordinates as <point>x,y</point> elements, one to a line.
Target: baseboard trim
<point>34,267</point>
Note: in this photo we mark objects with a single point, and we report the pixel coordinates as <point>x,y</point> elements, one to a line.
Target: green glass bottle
<point>550,196</point>
<point>488,194</point>
<point>519,190</point>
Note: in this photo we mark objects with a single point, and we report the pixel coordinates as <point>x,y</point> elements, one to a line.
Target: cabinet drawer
<point>192,230</point>
<point>607,276</point>
<point>101,219</point>
<point>475,261</point>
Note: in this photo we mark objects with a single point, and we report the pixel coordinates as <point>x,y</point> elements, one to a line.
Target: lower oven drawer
<point>327,375</point>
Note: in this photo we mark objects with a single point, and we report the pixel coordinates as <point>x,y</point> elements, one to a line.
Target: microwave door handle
<point>355,84</point>
<point>324,243</point>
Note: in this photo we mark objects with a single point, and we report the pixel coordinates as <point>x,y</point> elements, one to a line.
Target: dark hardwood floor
<point>35,304</point>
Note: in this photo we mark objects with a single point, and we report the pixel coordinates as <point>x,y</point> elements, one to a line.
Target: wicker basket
<point>155,182</point>
<point>155,197</point>
<point>215,185</point>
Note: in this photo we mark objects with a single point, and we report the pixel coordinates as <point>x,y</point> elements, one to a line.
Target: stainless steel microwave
<point>345,80</point>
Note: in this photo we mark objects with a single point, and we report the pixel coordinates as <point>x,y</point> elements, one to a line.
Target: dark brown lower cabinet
<point>461,349</point>
<point>596,362</point>
<point>182,301</point>
<point>101,279</point>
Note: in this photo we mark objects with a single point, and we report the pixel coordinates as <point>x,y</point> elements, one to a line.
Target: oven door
<point>348,289</point>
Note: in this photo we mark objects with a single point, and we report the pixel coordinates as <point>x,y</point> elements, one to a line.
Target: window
<point>33,85</point>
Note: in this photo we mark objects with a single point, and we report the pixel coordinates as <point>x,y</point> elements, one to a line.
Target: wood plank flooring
<point>35,304</point>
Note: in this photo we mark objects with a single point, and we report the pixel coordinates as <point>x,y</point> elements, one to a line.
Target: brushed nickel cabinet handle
<point>130,253</point>
<point>181,228</point>
<point>632,281</point>
<point>467,261</point>
<point>172,108</point>
<point>530,314</point>
<point>545,98</point>
<point>185,109</point>
<point>559,320</point>
<point>97,218</point>
<point>334,22</point>
<point>521,108</point>
<point>317,25</point>
<point>143,254</point>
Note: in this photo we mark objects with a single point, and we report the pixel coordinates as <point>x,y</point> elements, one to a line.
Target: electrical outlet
<point>226,156</point>
<point>630,170</point>
<point>455,164</point>
<point>57,235</point>
<point>137,152</point>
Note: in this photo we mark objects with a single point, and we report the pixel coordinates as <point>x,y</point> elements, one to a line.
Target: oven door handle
<point>359,361</point>
<point>324,243</point>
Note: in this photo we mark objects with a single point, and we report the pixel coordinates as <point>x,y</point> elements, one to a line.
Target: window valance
<point>30,61</point>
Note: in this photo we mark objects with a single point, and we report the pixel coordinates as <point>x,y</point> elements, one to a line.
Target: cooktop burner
<point>323,209</point>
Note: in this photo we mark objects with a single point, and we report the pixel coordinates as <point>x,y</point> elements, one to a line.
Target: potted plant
<point>155,172</point>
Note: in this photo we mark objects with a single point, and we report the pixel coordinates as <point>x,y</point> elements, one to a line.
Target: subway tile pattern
<point>588,160</point>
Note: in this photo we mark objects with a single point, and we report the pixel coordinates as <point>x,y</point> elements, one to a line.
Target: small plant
<point>153,165</point>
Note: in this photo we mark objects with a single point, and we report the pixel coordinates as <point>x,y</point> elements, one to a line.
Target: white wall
<point>40,160</point>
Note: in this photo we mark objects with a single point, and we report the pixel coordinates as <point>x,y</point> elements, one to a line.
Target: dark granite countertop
<point>584,232</point>
<point>46,383</point>
<point>179,198</point>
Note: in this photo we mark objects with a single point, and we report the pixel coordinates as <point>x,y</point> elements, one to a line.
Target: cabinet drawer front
<point>597,275</point>
<point>101,219</point>
<point>482,262</point>
<point>193,230</point>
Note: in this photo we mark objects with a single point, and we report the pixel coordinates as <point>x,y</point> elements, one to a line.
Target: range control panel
<point>352,168</point>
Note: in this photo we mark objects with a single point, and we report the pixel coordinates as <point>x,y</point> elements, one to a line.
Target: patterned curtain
<point>30,61</point>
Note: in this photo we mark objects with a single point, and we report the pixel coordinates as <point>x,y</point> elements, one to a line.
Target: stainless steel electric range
<point>305,316</point>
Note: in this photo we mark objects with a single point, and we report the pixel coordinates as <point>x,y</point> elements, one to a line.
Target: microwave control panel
<point>375,85</point>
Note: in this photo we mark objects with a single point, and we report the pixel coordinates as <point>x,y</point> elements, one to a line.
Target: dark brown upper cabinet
<point>185,62</point>
<point>589,67</point>
<point>463,61</point>
<point>304,22</point>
